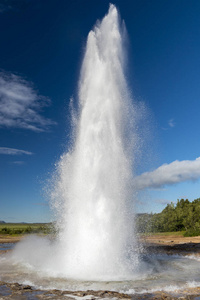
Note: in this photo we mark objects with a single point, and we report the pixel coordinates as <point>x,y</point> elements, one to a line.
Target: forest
<point>182,216</point>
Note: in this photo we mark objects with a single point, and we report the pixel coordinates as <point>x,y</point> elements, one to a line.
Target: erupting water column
<point>93,193</point>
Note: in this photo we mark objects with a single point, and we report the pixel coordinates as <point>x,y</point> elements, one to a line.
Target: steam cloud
<point>175,172</point>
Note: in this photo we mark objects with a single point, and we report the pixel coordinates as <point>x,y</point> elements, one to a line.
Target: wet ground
<point>16,291</point>
<point>6,246</point>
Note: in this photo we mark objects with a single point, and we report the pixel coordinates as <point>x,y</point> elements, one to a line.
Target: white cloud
<point>20,104</point>
<point>18,162</point>
<point>12,151</point>
<point>171,123</point>
<point>175,172</point>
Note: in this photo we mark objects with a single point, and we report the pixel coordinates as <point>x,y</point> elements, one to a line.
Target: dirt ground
<point>151,239</point>
<point>169,239</point>
<point>4,238</point>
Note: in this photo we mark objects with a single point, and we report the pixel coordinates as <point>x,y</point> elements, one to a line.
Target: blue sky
<point>42,45</point>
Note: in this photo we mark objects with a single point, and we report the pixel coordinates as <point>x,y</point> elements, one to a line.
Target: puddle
<point>7,246</point>
<point>5,291</point>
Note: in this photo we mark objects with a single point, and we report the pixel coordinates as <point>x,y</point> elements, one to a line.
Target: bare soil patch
<point>159,239</point>
<point>4,238</point>
<point>171,244</point>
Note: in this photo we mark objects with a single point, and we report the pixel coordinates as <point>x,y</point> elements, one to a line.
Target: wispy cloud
<point>20,104</point>
<point>7,5</point>
<point>12,151</point>
<point>163,201</point>
<point>18,162</point>
<point>4,7</point>
<point>171,123</point>
<point>175,172</point>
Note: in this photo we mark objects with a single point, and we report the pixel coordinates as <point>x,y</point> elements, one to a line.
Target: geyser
<point>92,193</point>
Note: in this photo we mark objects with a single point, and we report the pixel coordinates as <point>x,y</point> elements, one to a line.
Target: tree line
<point>182,216</point>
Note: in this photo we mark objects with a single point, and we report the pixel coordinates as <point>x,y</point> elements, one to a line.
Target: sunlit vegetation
<point>26,228</point>
<point>184,216</point>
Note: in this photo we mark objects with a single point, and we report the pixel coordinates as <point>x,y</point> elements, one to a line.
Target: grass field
<point>174,233</point>
<point>46,228</point>
<point>25,228</point>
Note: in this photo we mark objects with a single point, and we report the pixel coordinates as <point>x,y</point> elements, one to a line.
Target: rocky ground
<point>158,243</point>
<point>15,291</point>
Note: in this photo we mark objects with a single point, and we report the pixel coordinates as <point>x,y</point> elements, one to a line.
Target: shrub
<point>28,229</point>
<point>192,232</point>
<point>17,231</point>
<point>6,230</point>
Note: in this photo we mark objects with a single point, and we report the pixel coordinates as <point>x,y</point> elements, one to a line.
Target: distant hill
<point>2,222</point>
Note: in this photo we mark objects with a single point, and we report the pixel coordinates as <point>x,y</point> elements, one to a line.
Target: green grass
<point>20,225</point>
<point>174,233</point>
<point>46,228</point>
<point>25,228</point>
